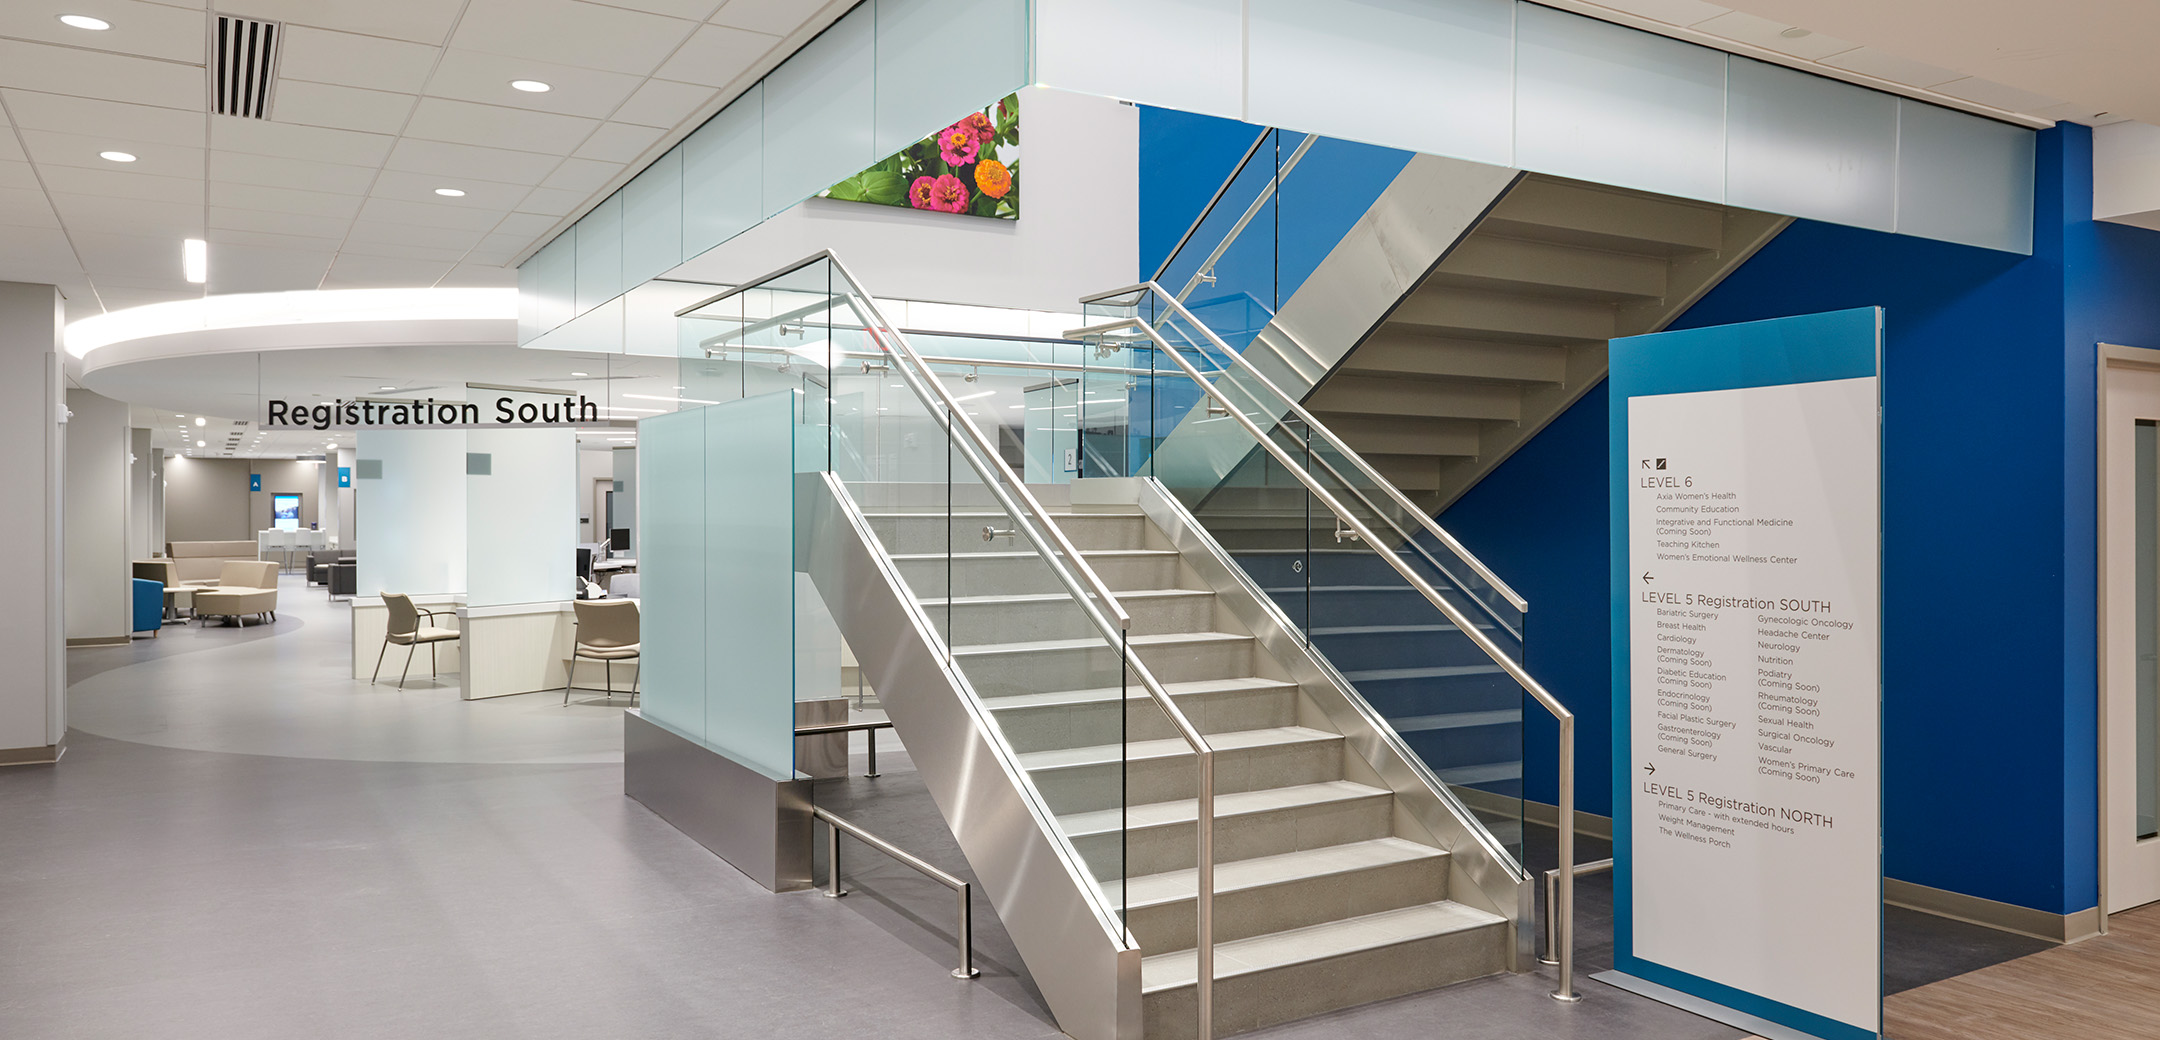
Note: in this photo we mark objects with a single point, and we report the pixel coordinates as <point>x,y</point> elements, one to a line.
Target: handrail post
<point>967,969</point>
<point>1563,910</point>
<point>1204,897</point>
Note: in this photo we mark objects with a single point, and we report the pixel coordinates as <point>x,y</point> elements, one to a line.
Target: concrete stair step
<point>1281,892</point>
<point>1160,836</point>
<point>1146,771</point>
<point>1012,618</point>
<point>1106,715</point>
<point>1287,975</point>
<point>1046,665</point>
<point>961,531</point>
<point>1023,571</point>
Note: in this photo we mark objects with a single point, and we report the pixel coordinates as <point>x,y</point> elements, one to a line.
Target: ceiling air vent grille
<point>243,64</point>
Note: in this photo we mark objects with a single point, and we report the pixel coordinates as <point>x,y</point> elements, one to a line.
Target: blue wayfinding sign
<point>344,476</point>
<point>1746,468</point>
<point>254,482</point>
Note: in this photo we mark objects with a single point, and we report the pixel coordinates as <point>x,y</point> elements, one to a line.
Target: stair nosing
<point>1181,811</point>
<point>1188,877</point>
<point>1172,747</point>
<point>1229,965</point>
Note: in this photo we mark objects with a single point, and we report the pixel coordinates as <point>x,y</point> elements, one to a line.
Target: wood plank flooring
<point>2105,988</point>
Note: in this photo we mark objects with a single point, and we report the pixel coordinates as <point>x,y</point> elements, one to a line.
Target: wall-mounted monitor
<point>285,512</point>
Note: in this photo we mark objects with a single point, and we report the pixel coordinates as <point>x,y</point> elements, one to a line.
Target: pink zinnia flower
<point>919,194</point>
<point>979,123</point>
<point>948,195</point>
<point>957,144</point>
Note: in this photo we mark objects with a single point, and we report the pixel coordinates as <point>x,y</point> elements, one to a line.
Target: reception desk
<point>503,650</point>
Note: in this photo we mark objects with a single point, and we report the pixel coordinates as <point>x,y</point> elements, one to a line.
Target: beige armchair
<point>199,563</point>
<point>607,631</point>
<point>244,587</point>
<point>406,627</point>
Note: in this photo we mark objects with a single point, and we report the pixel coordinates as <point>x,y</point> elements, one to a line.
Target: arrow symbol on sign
<point>1647,579</point>
<point>1650,768</point>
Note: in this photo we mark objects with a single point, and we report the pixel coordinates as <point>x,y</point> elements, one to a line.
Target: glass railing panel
<point>1226,273</point>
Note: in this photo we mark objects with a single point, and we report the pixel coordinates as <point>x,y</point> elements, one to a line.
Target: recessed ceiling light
<point>1795,33</point>
<point>450,192</point>
<point>579,374</point>
<point>116,156</point>
<point>530,86</point>
<point>200,421</point>
<point>386,388</point>
<point>83,21</point>
<point>199,444</point>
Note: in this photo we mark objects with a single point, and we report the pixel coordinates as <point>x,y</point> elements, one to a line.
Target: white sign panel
<point>1754,632</point>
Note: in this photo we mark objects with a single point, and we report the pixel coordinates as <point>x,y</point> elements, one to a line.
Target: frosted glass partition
<point>719,578</point>
<point>1952,170</point>
<point>520,515</point>
<point>1803,144</point>
<point>886,73</point>
<point>409,499</point>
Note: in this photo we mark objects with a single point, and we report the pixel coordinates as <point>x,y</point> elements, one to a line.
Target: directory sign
<point>1747,594</point>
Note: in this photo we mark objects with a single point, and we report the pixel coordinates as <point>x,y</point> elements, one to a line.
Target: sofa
<point>244,588</point>
<point>199,563</point>
<point>318,564</point>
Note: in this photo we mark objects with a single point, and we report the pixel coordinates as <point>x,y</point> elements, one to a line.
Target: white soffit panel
<point>1614,105</point>
<point>1177,53</point>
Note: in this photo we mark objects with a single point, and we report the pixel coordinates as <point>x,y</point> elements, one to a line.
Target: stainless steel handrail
<point>1401,500</point>
<point>1206,271</point>
<point>966,970</point>
<point>1538,693</point>
<point>1028,517</point>
<point>1552,880</point>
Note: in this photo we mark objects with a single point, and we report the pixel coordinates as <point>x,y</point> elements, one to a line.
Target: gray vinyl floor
<point>243,842</point>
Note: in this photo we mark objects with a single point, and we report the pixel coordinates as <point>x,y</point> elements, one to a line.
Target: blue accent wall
<point>1990,375</point>
<point>1183,158</point>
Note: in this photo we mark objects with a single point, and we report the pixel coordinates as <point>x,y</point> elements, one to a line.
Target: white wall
<point>142,496</point>
<point>95,504</point>
<point>33,716</point>
<point>413,514</point>
<point>594,464</point>
<point>521,516</point>
<point>348,530</point>
<point>1077,232</point>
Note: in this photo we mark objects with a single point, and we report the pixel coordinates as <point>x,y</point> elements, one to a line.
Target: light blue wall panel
<point>547,287</point>
<point>599,253</point>
<point>1964,179</point>
<point>750,611</point>
<point>819,111</point>
<point>671,611</point>
<point>1431,77</point>
<point>1184,54</point>
<point>920,88</point>
<point>1606,103</point>
<point>1810,146</point>
<point>652,220</point>
<point>723,174</point>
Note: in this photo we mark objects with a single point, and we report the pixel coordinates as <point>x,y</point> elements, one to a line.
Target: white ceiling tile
<point>481,77</point>
<point>1762,32</point>
<point>37,255</point>
<point>423,21</point>
<point>353,60</point>
<point>481,276</point>
<point>144,217</point>
<point>552,201</point>
<point>570,33</point>
<point>505,244</point>
<point>498,258</point>
<point>774,17</point>
<point>280,172</point>
<point>256,137</point>
<point>147,29</point>
<point>24,208</point>
<point>113,77</point>
<point>528,225</point>
<point>20,175</point>
<point>695,10</point>
<point>404,252</point>
<point>55,149</point>
<point>372,272</point>
<point>663,103</point>
<point>237,269</point>
<point>130,259</point>
<point>1891,67</point>
<point>420,187</point>
<point>268,240</point>
<point>586,175</point>
<point>123,183</point>
<point>717,55</point>
<point>491,126</point>
<point>342,108</point>
<point>285,200</point>
<point>10,150</point>
<point>122,125</point>
<point>463,160</point>
<point>1988,92</point>
<point>415,235</point>
<point>618,142</point>
<point>237,219</point>
<point>120,298</point>
<point>398,211</point>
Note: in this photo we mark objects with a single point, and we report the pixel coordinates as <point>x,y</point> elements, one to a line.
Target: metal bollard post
<point>832,863</point>
<point>966,970</point>
<point>872,733</point>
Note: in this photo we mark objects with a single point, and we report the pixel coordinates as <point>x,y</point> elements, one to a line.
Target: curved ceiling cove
<point>323,318</point>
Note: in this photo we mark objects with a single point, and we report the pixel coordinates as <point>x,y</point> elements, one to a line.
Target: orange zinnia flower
<point>993,178</point>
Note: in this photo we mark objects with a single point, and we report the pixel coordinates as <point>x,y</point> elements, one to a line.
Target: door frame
<point>2113,358</point>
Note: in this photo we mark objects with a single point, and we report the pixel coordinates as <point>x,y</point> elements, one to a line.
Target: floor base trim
<point>99,641</point>
<point>33,756</point>
<point>2007,917</point>
<point>1692,1004</point>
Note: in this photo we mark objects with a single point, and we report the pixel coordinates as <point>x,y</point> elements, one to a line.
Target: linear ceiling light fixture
<point>450,193</point>
<point>117,156</point>
<point>83,21</point>
<point>530,86</point>
<point>300,307</point>
<point>195,260</point>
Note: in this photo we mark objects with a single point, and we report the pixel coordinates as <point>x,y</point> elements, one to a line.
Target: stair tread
<point>1455,720</point>
<point>1477,774</point>
<point>1234,740</point>
<point>986,649</point>
<point>983,514</point>
<point>1027,554</point>
<point>1262,871</point>
<point>1104,694</point>
<point>1054,597</point>
<point>1239,803</point>
<point>1179,968</point>
<point>1435,672</point>
<point>1381,630</point>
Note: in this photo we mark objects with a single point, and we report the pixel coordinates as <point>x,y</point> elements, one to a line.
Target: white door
<point>2130,633</point>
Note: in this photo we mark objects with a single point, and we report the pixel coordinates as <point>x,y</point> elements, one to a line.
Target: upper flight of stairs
<point>1511,326</point>
<point>1326,894</point>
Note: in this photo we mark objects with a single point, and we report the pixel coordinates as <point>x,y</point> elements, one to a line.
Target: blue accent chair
<point>149,606</point>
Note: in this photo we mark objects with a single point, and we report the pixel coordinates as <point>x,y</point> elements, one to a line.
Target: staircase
<point>1329,891</point>
<point>1511,326</point>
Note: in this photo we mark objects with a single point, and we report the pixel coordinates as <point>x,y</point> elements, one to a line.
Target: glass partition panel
<point>671,608</point>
